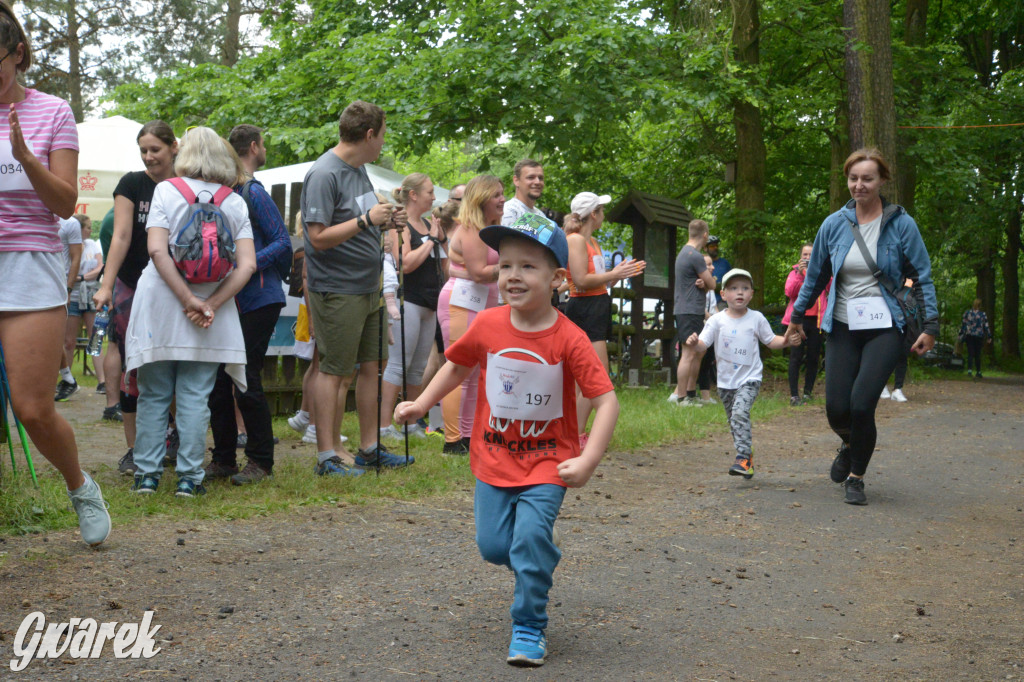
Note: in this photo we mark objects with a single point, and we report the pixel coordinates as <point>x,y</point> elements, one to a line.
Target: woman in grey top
<point>863,321</point>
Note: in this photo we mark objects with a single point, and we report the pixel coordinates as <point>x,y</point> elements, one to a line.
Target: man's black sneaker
<point>855,491</point>
<point>126,465</point>
<point>841,464</point>
<point>65,389</point>
<point>113,414</point>
<point>101,388</point>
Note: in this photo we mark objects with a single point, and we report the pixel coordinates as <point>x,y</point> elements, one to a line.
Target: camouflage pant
<point>737,403</point>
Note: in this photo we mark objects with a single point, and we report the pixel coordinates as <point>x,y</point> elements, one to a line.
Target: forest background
<point>743,110</point>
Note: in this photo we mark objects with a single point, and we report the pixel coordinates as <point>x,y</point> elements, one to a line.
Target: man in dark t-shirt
<point>688,304</point>
<point>342,221</point>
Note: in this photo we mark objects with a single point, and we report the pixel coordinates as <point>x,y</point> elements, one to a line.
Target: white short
<point>32,280</point>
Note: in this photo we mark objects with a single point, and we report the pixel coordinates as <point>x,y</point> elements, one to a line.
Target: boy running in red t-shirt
<point>524,450</point>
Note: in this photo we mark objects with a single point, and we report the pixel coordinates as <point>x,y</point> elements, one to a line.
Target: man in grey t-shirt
<point>342,221</point>
<point>528,179</point>
<point>693,280</point>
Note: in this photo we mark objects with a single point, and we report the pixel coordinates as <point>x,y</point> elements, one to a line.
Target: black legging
<point>974,345</point>
<point>901,369</point>
<point>857,365</point>
<point>809,349</point>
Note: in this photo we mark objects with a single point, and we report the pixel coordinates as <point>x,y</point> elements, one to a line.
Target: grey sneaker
<point>690,402</point>
<point>252,473</point>
<point>218,471</point>
<point>855,491</point>
<point>126,465</point>
<point>93,517</point>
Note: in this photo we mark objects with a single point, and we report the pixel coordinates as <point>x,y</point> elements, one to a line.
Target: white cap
<point>736,272</point>
<point>585,203</point>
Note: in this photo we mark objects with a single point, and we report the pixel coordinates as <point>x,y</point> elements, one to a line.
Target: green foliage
<point>613,96</point>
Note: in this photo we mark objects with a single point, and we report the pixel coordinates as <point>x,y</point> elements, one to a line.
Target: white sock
<point>66,375</point>
<point>302,415</point>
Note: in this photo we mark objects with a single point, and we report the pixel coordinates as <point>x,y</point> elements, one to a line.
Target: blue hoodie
<point>901,255</point>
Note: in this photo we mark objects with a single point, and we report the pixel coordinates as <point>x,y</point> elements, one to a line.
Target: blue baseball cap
<point>531,226</point>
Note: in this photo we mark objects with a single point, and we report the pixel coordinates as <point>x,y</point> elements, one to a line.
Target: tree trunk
<point>229,52</point>
<point>869,81</point>
<point>1011,286</point>
<point>838,193</point>
<point>74,62</point>
<point>914,35</point>
<point>750,151</point>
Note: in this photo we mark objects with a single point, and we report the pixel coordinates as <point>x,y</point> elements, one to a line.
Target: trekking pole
<point>5,389</point>
<point>380,338</point>
<point>401,324</point>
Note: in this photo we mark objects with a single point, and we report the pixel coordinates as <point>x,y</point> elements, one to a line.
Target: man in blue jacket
<point>259,306</point>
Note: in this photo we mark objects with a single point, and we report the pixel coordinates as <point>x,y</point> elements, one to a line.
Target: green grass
<point>646,420</point>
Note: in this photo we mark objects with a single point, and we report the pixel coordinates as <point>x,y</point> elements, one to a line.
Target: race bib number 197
<point>522,390</point>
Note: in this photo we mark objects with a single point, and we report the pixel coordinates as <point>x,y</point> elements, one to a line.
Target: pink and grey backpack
<point>203,249</point>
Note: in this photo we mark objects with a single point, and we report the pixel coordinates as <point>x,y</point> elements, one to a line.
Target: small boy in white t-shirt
<point>734,333</point>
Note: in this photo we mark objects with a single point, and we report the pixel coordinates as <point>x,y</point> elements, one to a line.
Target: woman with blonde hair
<point>177,353</point>
<point>422,260</point>
<point>33,290</point>
<point>472,286</point>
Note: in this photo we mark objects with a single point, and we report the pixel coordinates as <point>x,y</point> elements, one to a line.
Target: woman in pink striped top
<point>38,169</point>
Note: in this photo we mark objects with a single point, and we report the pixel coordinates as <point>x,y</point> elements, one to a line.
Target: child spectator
<point>734,333</point>
<point>524,449</point>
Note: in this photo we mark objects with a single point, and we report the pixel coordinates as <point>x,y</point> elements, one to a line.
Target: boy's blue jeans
<point>513,528</point>
<point>159,383</point>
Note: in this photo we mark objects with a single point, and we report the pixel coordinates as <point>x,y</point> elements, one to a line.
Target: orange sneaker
<point>743,466</point>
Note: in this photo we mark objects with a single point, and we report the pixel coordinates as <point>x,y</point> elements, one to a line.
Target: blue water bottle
<point>99,330</point>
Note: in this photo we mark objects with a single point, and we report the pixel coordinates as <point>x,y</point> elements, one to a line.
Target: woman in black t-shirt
<point>129,254</point>
<point>422,264</point>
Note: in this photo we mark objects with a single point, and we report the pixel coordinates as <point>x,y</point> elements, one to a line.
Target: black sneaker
<point>112,414</point>
<point>101,388</point>
<point>455,448</point>
<point>855,491</point>
<point>841,464</point>
<point>65,389</point>
<point>794,401</point>
<point>126,465</point>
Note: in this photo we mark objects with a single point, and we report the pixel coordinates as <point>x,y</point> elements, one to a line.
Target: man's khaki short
<point>347,329</point>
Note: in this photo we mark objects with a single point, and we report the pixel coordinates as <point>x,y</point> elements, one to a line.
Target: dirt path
<point>672,571</point>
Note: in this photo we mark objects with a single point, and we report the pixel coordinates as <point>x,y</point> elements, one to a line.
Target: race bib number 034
<point>868,312</point>
<point>12,175</point>
<point>522,390</point>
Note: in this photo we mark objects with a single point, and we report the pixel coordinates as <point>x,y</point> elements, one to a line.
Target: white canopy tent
<point>107,151</point>
<point>291,177</point>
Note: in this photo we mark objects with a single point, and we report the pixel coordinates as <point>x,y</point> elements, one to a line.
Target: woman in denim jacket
<point>863,320</point>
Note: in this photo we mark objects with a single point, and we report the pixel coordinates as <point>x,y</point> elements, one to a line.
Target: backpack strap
<point>182,186</point>
<point>218,198</point>
<point>223,193</point>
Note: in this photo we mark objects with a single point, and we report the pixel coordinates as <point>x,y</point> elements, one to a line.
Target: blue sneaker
<point>187,488</point>
<point>528,646</point>
<point>145,484</point>
<point>93,518</point>
<point>335,467</point>
<point>368,458</point>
